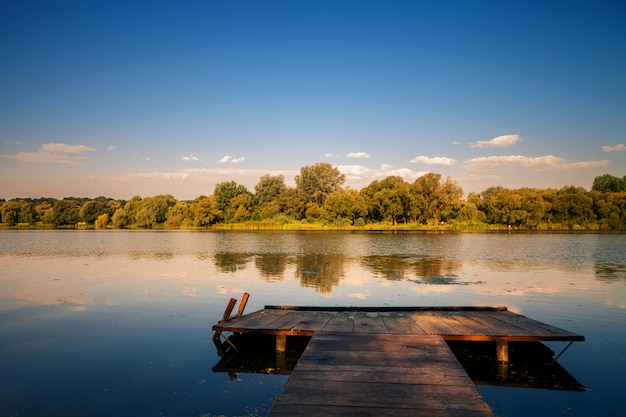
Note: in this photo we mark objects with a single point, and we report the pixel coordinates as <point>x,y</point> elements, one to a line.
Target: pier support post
<point>502,350</point>
<point>281,343</point>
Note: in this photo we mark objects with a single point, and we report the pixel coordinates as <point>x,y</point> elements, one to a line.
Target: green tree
<point>389,199</point>
<point>533,207</point>
<point>609,184</point>
<point>92,209</point>
<point>43,212</point>
<point>506,207</point>
<point>318,181</point>
<point>120,219</point>
<point>178,215</point>
<point>440,196</point>
<point>293,203</point>
<point>573,205</point>
<point>65,212</point>
<point>610,209</point>
<point>131,208</point>
<point>102,221</point>
<point>269,189</point>
<point>16,211</point>
<point>224,194</point>
<point>240,207</point>
<point>345,204</point>
<point>204,211</point>
<point>153,210</point>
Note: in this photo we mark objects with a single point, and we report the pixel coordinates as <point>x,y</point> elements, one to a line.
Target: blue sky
<point>124,98</point>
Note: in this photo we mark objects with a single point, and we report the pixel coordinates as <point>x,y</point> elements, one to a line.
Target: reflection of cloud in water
<point>360,295</point>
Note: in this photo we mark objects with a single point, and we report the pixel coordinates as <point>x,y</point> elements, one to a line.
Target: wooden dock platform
<point>383,361</point>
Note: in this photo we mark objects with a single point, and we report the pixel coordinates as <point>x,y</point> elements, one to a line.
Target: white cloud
<point>618,147</point>
<point>54,153</point>
<point>364,175</point>
<point>547,162</point>
<point>63,148</point>
<point>111,148</point>
<point>331,155</point>
<point>189,158</point>
<point>438,160</point>
<point>499,142</point>
<point>229,159</point>
<point>358,155</point>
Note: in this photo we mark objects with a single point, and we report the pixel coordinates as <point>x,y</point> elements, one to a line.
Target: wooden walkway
<point>391,361</point>
<point>352,374</point>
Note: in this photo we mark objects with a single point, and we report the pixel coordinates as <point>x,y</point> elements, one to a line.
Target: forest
<point>319,200</point>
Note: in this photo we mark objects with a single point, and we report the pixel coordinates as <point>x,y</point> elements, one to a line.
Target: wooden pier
<point>383,361</point>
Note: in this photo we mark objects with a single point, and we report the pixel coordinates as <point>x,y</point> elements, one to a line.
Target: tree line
<point>320,198</point>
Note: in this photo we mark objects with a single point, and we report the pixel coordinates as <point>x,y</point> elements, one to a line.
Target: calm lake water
<point>118,323</point>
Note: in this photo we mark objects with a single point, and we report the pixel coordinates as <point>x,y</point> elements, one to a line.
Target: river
<point>118,323</point>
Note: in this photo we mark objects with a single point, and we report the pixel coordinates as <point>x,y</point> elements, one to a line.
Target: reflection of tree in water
<point>428,269</point>
<point>610,272</point>
<point>231,262</point>
<point>319,271</point>
<point>392,267</point>
<point>164,256</point>
<point>271,265</point>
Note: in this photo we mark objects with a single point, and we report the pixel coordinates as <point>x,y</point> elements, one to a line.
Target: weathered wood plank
<point>301,321</point>
<point>533,327</point>
<point>431,323</point>
<point>298,410</point>
<point>340,322</point>
<point>386,308</point>
<point>256,320</point>
<point>401,323</point>
<point>369,322</point>
<point>380,395</point>
<point>462,322</point>
<point>390,375</point>
<point>495,327</point>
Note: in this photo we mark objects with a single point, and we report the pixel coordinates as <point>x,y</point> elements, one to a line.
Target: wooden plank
<point>315,322</point>
<point>390,375</point>
<point>382,375</point>
<point>242,304</point>
<point>462,322</point>
<point>229,309</point>
<point>432,324</point>
<point>530,327</point>
<point>400,322</point>
<point>301,321</point>
<point>495,327</point>
<point>258,320</point>
<point>297,410</point>
<point>340,322</point>
<point>386,308</point>
<point>427,399</point>
<point>369,322</point>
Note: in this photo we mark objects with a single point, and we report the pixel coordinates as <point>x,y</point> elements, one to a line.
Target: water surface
<point>115,323</point>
